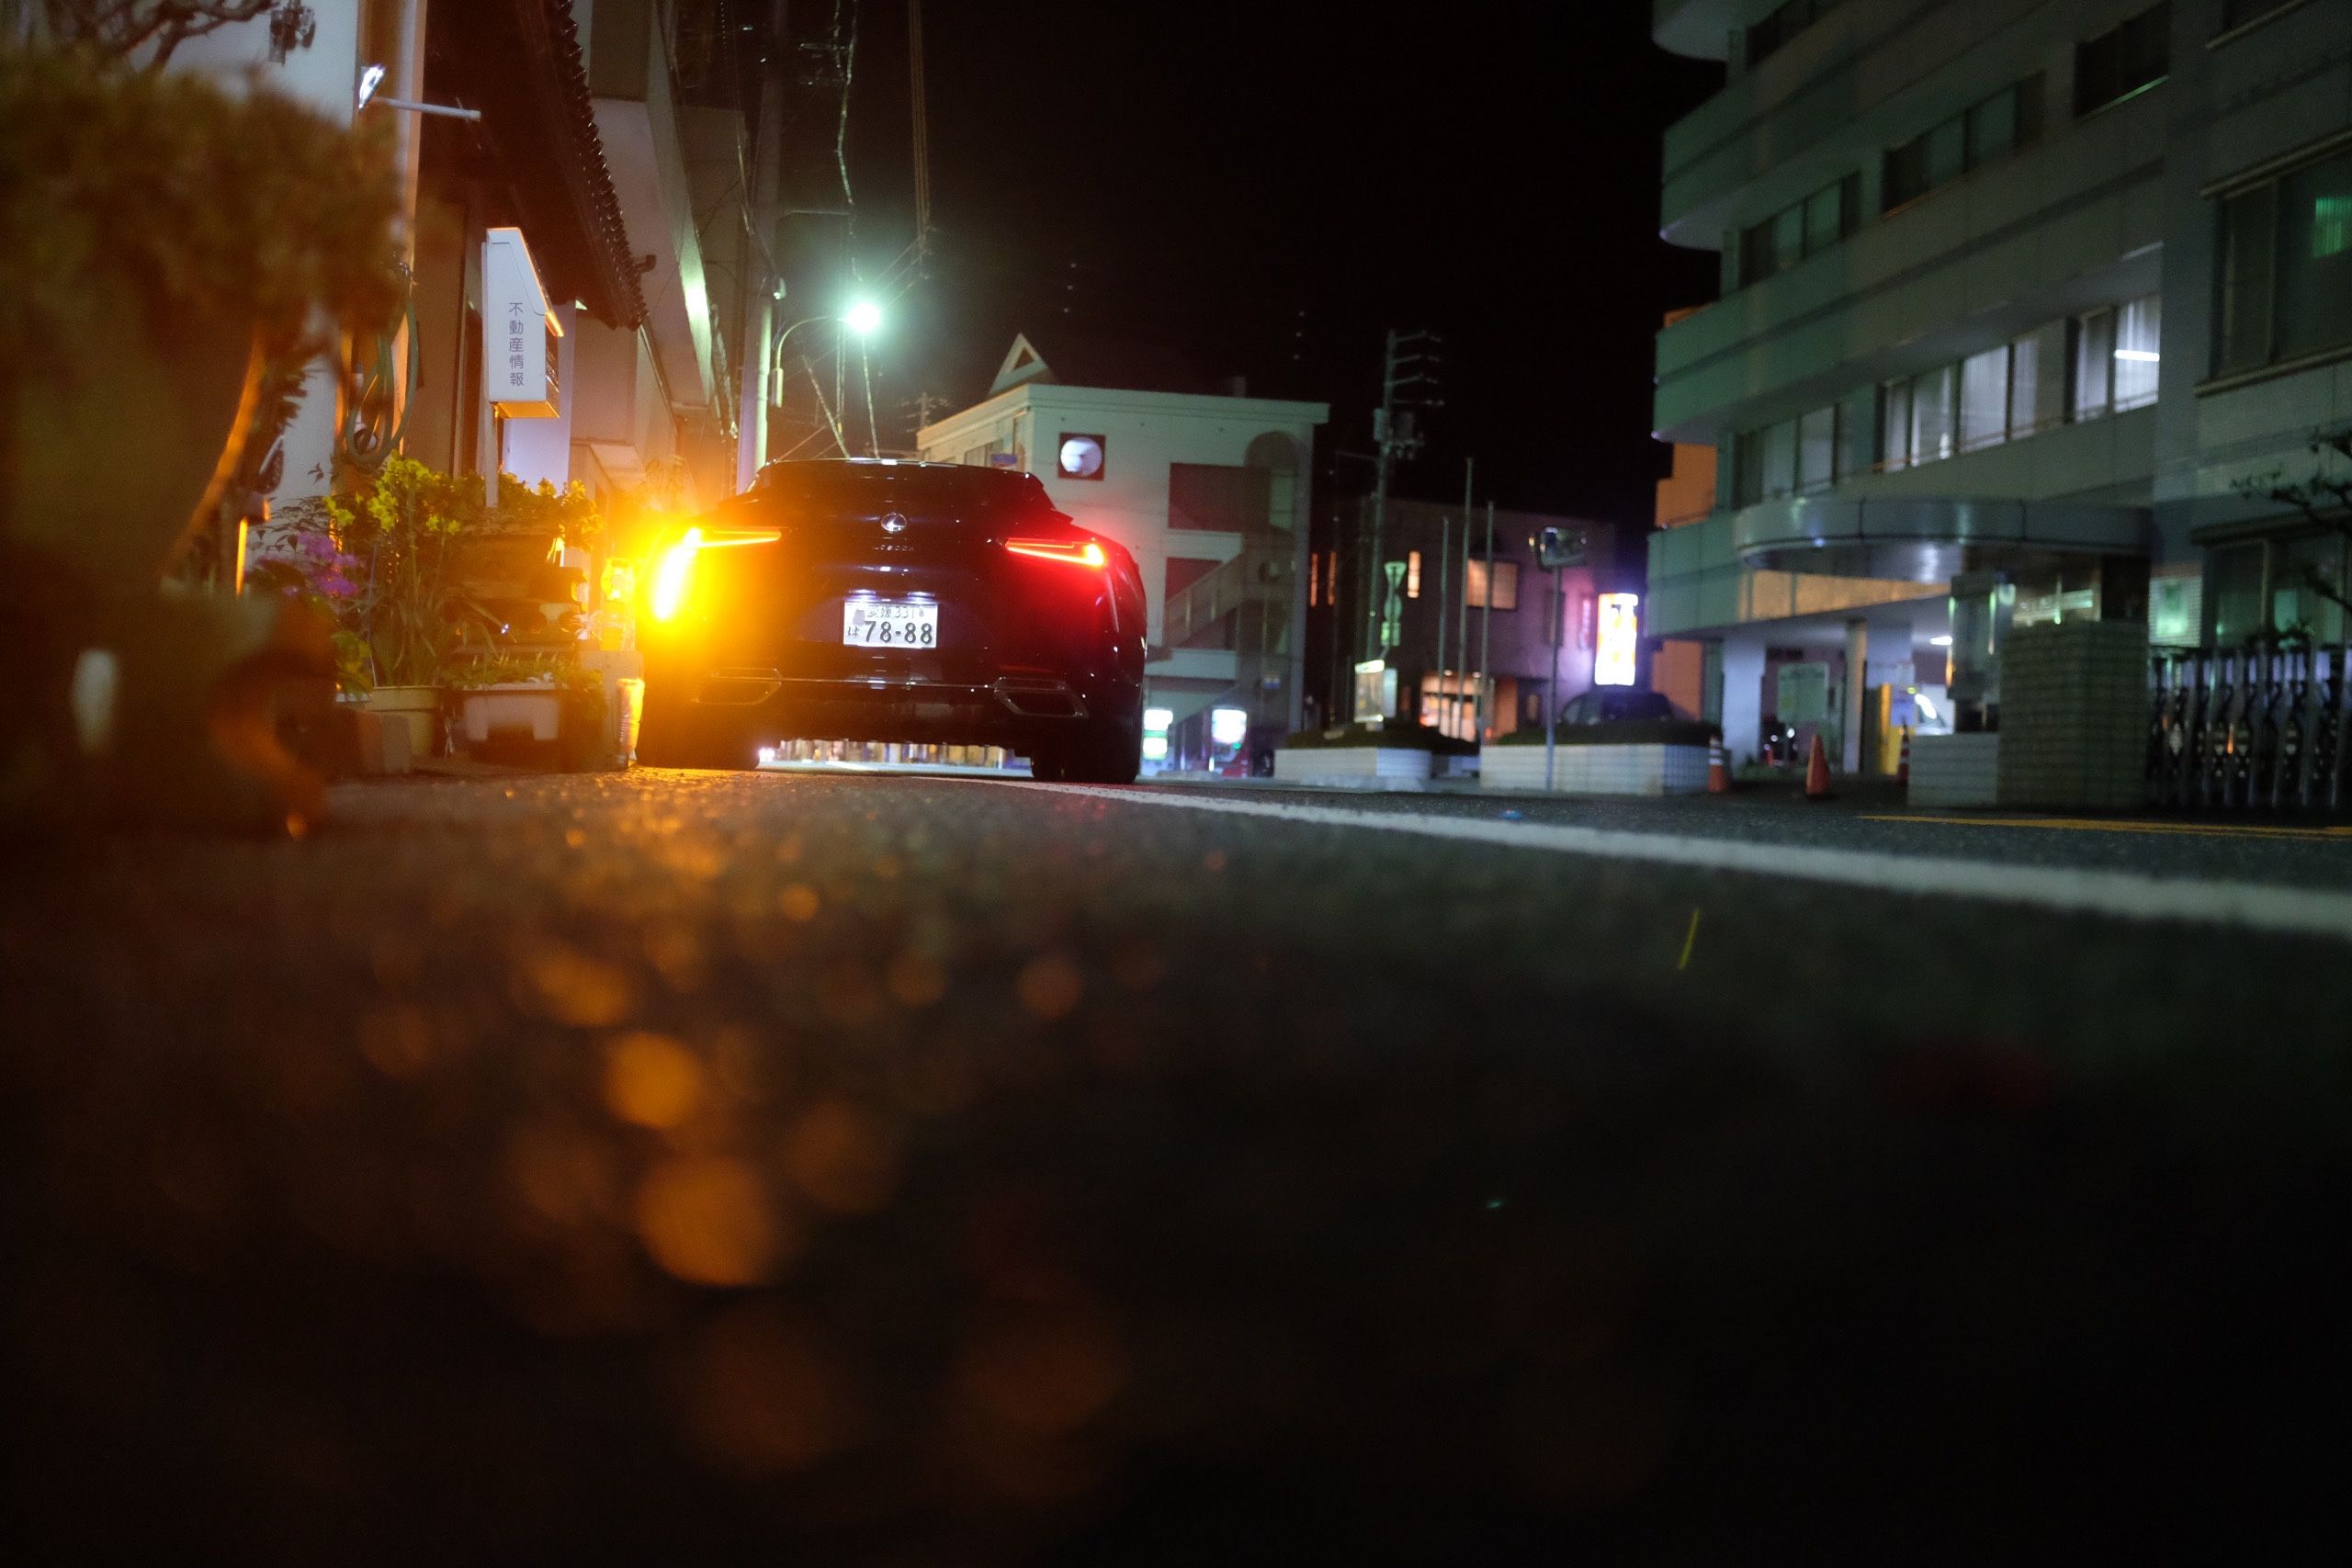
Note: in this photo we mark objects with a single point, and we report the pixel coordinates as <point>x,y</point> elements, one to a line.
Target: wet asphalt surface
<point>722,1168</point>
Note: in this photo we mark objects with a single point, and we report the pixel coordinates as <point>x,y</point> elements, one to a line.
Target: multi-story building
<point>2021,301</point>
<point>1211,490</point>
<point>1472,613</point>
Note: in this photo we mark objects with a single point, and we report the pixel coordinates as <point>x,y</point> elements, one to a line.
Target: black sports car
<point>894,601</point>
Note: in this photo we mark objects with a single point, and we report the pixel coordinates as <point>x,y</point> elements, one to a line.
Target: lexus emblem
<point>893,523</point>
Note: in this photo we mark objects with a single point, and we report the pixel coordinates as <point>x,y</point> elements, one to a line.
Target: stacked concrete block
<point>1597,769</point>
<point>1326,764</point>
<point>1949,770</point>
<point>2074,716</point>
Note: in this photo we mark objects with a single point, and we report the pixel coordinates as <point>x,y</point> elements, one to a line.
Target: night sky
<point>1270,186</point>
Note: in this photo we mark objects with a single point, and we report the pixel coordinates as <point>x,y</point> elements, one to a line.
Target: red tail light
<point>1067,551</point>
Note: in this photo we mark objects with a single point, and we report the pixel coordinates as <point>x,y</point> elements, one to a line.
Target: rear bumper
<point>1013,711</point>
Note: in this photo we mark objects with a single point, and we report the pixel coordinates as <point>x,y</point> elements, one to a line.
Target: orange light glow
<point>675,573</point>
<point>672,576</point>
<point>1068,552</point>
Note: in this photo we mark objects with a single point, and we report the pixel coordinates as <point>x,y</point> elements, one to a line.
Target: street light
<point>864,316</point>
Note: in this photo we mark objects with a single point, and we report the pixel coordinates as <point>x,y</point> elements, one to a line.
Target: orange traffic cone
<point>1816,771</point>
<point>1718,775</point>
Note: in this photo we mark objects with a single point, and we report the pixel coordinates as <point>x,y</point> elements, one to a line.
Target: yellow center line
<point>2095,825</point>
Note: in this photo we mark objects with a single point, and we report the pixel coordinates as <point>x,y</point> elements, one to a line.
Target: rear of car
<point>894,602</point>
<point>1610,704</point>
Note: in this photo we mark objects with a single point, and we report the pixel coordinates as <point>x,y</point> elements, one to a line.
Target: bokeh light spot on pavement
<point>1050,985</point>
<point>653,1081</point>
<point>915,981</point>
<point>709,1219</point>
<point>764,1393</point>
<point>563,1174</point>
<point>844,1159</point>
<point>397,1041</point>
<point>1046,1369</point>
<point>848,995</point>
<point>573,989</point>
<point>798,902</point>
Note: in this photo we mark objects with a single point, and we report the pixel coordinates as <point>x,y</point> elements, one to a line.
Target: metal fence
<point>2251,729</point>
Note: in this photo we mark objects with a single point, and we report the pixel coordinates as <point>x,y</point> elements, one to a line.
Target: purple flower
<point>318,546</point>
<point>337,587</point>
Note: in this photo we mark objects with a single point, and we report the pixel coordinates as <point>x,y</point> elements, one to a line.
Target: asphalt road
<point>688,1166</point>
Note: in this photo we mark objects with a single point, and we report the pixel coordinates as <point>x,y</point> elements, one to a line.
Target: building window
<point>1812,225</point>
<point>2093,365</point>
<point>2137,353</point>
<point>1817,450</point>
<point>1984,399</point>
<point>2029,360</point>
<point>1412,574</point>
<point>2287,266</point>
<point>1931,415</point>
<point>2116,358</point>
<point>2124,60</point>
<point>1982,134</point>
<point>1766,36</point>
<point>1219,500</point>
<point>1474,585</point>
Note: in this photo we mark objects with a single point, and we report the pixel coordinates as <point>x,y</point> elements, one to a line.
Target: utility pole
<point>1462,637</point>
<point>1444,560</point>
<point>1486,623</point>
<point>763,286</point>
<point>1410,363</point>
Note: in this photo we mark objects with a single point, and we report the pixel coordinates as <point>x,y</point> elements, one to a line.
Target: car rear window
<point>930,491</point>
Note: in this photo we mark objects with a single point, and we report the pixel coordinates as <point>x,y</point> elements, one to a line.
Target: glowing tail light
<point>1068,552</point>
<point>673,575</point>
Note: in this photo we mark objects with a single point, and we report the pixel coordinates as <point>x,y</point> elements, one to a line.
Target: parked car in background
<point>1607,704</point>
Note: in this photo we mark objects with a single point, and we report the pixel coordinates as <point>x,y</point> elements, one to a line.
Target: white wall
<point>326,77</point>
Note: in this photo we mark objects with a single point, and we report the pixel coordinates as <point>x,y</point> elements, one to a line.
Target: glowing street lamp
<point>864,316</point>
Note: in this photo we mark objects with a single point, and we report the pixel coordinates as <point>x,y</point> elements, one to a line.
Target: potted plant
<point>162,242</point>
<point>385,554</point>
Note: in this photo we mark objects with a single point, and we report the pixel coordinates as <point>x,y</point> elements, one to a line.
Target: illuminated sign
<point>1620,635</point>
<point>1229,726</point>
<point>1079,457</point>
<point>519,331</point>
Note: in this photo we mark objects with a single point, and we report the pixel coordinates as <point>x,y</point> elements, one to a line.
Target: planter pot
<point>1315,764</point>
<point>121,445</point>
<point>522,718</point>
<point>417,708</point>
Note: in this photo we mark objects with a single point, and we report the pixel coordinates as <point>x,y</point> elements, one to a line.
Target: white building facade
<point>1212,496</point>
<point>2018,298</point>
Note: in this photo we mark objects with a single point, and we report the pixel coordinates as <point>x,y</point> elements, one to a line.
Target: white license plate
<point>878,623</point>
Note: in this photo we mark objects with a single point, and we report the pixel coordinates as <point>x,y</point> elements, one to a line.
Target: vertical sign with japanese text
<point>518,331</point>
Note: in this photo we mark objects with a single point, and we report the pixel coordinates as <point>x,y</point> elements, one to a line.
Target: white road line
<point>2287,911</point>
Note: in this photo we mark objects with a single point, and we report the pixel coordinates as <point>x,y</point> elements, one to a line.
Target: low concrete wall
<point>1310,765</point>
<point>1955,769</point>
<point>1597,770</point>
